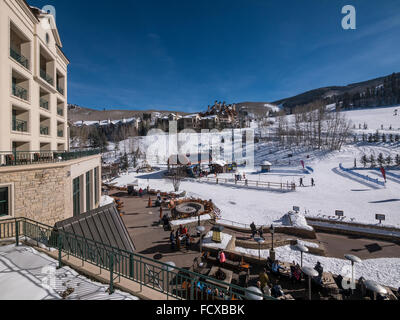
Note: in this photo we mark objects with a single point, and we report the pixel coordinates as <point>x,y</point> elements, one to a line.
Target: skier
<point>301,182</point>
<point>313,182</point>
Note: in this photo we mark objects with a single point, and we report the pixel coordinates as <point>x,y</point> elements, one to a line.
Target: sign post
<point>380,218</point>
<point>339,213</point>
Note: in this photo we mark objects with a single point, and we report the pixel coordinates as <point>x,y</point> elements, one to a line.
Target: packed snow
<point>26,274</point>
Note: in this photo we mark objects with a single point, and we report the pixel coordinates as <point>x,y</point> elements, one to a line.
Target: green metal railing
<point>19,92</point>
<point>19,58</point>
<point>172,281</point>
<point>46,77</point>
<point>17,158</point>
<point>44,130</point>
<point>44,104</point>
<point>19,125</point>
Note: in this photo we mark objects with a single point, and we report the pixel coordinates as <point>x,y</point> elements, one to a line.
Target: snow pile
<point>384,271</point>
<point>208,242</point>
<point>296,220</point>
<point>182,222</point>
<point>26,274</point>
<point>106,200</point>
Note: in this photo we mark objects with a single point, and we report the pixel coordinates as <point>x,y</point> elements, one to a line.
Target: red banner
<point>303,164</point>
<point>383,173</point>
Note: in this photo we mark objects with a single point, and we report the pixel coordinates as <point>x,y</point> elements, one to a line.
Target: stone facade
<point>44,192</point>
<point>41,195</point>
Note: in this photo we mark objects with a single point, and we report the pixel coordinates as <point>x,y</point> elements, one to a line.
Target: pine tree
<point>381,160</point>
<point>364,160</point>
<point>389,160</point>
<point>397,160</point>
<point>372,161</point>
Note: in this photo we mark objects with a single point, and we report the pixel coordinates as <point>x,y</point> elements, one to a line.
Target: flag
<point>383,173</point>
<point>302,163</point>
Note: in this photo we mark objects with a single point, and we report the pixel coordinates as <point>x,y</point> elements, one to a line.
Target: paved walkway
<point>149,238</point>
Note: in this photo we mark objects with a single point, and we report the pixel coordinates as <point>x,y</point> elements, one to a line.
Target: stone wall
<point>42,195</point>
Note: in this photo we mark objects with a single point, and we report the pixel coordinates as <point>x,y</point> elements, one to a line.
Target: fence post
<point>17,233</point>
<point>192,288</point>
<point>131,266</point>
<point>111,289</point>
<point>59,245</point>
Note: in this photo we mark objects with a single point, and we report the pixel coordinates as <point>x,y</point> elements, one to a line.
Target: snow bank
<point>296,220</point>
<point>106,200</point>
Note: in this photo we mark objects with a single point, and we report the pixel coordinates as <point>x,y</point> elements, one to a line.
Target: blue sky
<point>185,54</point>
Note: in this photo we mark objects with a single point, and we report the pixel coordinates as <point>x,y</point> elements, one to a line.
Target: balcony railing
<point>44,104</point>
<point>174,282</point>
<point>60,112</point>
<point>19,125</point>
<point>44,131</point>
<point>60,90</point>
<point>46,77</point>
<point>60,133</point>
<point>19,58</point>
<point>19,92</point>
<point>17,158</point>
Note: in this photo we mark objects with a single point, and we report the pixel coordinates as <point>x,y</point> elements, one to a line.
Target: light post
<point>272,253</point>
<point>354,259</point>
<point>260,242</point>
<point>302,249</point>
<point>310,272</point>
<point>201,229</point>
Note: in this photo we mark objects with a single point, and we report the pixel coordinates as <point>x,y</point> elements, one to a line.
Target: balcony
<point>60,90</point>
<point>19,92</point>
<point>19,125</point>
<point>19,58</point>
<point>46,77</point>
<point>17,158</point>
<point>60,112</point>
<point>44,104</point>
<point>44,131</point>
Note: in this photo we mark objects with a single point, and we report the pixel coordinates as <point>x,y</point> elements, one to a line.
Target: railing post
<point>111,289</point>
<point>59,245</point>
<point>17,233</point>
<point>131,262</point>
<point>192,288</point>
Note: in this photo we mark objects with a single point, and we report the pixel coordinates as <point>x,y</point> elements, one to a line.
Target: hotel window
<point>88,191</point>
<point>77,197</point>
<point>4,201</point>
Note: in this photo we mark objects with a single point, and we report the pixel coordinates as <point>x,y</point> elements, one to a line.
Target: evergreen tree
<point>364,160</point>
<point>381,160</point>
<point>372,161</point>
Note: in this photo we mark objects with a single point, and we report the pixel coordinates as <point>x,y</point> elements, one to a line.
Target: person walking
<point>261,233</point>
<point>301,182</point>
<point>312,182</point>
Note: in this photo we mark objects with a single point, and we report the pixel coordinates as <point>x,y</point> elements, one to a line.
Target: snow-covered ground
<point>335,189</point>
<point>384,271</point>
<point>26,274</point>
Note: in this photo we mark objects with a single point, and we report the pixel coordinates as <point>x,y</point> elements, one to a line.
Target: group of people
<point>181,236</point>
<point>267,287</point>
<point>302,182</point>
<point>255,231</point>
<point>239,177</point>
